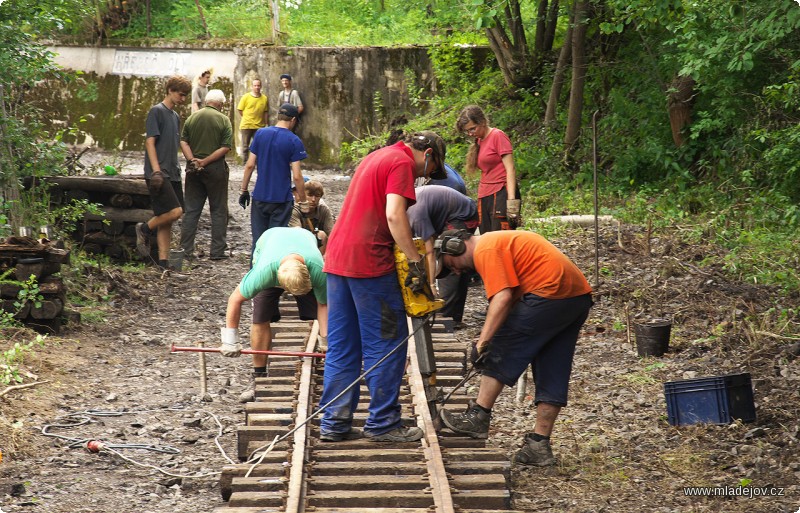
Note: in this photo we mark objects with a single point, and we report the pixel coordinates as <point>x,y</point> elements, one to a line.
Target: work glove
<point>244,199</point>
<point>231,347</point>
<point>416,279</point>
<point>156,181</point>
<point>512,208</point>
<point>305,207</point>
<point>322,343</point>
<point>478,358</point>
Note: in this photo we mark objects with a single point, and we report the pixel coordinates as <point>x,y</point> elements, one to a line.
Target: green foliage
<point>29,293</point>
<point>27,149</point>
<point>12,358</point>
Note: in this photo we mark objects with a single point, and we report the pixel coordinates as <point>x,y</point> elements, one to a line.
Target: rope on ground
<point>82,418</point>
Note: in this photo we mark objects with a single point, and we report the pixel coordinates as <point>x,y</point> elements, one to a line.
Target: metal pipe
<point>596,204</point>
<point>176,349</point>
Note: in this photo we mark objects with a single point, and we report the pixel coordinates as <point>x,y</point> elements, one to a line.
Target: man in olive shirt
<point>206,138</point>
<point>253,110</point>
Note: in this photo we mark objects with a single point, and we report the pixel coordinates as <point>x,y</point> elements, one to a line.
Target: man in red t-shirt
<point>538,301</point>
<point>366,316</point>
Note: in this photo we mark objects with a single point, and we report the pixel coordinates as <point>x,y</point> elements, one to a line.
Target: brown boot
<point>535,454</point>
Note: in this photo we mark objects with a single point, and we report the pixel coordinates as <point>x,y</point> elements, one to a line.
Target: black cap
<point>436,144</point>
<point>286,76</point>
<point>287,109</point>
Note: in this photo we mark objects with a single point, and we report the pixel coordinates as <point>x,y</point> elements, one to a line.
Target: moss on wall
<point>108,111</point>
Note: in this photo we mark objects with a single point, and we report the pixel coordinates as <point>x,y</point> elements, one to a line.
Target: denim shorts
<point>543,333</point>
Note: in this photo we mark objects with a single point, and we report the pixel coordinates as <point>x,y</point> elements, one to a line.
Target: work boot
<point>249,395</point>
<point>401,434</point>
<point>535,454</point>
<point>474,422</point>
<point>142,240</point>
<point>353,434</point>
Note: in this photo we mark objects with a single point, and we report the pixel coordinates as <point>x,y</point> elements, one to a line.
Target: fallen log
<point>117,184</point>
<point>128,215</point>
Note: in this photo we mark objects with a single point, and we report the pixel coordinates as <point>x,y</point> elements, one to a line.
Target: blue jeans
<point>366,320</point>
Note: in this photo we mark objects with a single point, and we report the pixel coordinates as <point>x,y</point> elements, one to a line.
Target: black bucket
<point>652,337</point>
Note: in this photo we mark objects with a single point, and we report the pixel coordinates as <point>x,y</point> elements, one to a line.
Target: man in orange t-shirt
<point>538,302</point>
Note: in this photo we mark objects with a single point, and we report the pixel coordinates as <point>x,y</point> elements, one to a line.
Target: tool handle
<point>176,349</point>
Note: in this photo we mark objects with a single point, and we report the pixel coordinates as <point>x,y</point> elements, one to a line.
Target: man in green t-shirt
<point>253,110</point>
<point>284,259</point>
<point>206,138</point>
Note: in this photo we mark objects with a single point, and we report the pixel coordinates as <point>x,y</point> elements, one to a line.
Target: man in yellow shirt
<point>253,110</point>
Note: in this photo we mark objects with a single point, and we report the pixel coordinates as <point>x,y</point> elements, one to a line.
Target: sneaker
<point>535,454</point>
<point>474,422</point>
<point>401,434</point>
<point>353,434</point>
<point>142,240</point>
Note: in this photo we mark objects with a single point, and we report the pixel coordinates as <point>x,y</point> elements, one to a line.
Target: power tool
<point>417,305</point>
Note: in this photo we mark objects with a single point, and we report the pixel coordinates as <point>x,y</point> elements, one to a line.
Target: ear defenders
<point>452,243</point>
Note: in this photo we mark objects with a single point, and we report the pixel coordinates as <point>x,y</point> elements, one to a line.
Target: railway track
<point>286,468</point>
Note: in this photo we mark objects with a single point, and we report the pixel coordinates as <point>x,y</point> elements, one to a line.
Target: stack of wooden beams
<point>26,257</point>
<point>125,202</point>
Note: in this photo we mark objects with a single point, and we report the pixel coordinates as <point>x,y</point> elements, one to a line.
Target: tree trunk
<point>578,75</point>
<point>558,77</point>
<point>541,23</point>
<point>202,18</point>
<point>512,54</point>
<point>546,21</point>
<point>552,23</point>
<point>679,103</point>
<point>101,29</point>
<point>276,21</point>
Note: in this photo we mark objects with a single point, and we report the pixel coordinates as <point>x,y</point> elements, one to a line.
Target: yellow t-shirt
<point>252,111</point>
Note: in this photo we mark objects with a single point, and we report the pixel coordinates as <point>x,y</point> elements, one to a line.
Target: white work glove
<point>231,347</point>
<point>305,207</point>
<point>512,208</point>
<point>322,343</point>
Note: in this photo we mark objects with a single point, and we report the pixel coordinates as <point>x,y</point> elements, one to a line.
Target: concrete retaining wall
<point>347,92</point>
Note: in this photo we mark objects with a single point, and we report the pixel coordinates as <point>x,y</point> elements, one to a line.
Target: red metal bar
<point>176,349</point>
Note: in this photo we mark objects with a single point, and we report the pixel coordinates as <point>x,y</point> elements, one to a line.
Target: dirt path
<point>616,451</point>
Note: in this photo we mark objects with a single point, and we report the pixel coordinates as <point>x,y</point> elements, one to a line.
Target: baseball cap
<point>436,143</point>
<point>286,76</point>
<point>287,109</point>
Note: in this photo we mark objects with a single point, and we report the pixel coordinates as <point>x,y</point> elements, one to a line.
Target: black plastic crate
<point>714,400</point>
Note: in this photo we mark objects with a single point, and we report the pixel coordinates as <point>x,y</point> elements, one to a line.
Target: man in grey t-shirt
<point>439,208</point>
<point>162,171</point>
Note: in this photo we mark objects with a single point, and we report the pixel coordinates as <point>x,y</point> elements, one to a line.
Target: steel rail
<point>440,485</point>
<point>297,474</point>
